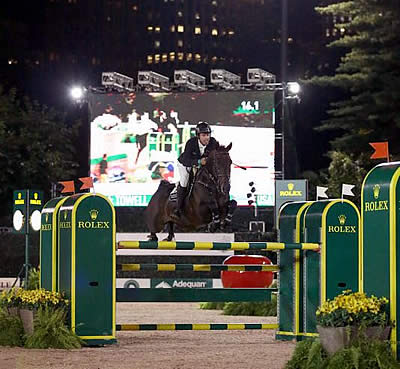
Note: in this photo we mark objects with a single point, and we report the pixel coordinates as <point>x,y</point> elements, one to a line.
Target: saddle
<point>173,196</point>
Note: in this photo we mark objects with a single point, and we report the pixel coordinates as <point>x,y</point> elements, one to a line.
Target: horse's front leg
<point>216,220</point>
<point>227,221</point>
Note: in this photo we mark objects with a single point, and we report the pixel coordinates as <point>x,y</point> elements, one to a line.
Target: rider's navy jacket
<point>191,155</point>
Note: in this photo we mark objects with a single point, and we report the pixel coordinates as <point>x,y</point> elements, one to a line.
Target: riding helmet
<point>203,127</point>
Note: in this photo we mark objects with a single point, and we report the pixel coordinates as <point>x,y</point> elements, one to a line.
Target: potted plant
<point>349,316</point>
<point>29,301</point>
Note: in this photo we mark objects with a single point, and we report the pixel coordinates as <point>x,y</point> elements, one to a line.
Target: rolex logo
<point>342,219</point>
<point>376,190</point>
<point>93,214</point>
<point>290,186</point>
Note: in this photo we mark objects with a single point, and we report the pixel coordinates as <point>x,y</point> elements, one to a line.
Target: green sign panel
<point>335,224</point>
<point>380,205</point>
<point>49,244</point>
<point>86,225</point>
<point>290,278</point>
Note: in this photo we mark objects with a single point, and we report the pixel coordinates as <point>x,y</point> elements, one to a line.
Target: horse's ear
<point>229,147</point>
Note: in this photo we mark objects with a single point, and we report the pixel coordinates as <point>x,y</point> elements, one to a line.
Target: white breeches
<point>183,174</point>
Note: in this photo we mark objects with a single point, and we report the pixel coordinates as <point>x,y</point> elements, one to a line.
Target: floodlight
<point>293,88</point>
<point>77,92</point>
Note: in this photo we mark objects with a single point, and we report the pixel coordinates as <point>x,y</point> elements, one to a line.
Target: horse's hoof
<point>169,239</point>
<point>151,237</point>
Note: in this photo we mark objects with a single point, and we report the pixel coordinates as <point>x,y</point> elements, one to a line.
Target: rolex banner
<point>289,190</point>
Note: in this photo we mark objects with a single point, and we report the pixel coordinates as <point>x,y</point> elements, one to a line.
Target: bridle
<point>214,175</point>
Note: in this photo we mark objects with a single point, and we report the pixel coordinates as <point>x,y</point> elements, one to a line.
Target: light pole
<point>284,38</point>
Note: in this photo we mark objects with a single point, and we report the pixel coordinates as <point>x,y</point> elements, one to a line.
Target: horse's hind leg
<point>171,235</point>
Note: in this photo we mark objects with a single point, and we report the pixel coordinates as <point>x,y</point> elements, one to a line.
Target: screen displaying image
<point>136,139</point>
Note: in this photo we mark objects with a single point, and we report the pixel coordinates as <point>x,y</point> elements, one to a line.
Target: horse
<point>206,204</point>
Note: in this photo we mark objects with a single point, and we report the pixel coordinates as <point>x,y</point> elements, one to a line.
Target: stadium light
<point>293,88</point>
<point>77,92</point>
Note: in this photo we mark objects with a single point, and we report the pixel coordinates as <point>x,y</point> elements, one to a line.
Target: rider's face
<point>204,138</point>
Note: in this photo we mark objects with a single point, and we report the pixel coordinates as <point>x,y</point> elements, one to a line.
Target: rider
<point>196,150</point>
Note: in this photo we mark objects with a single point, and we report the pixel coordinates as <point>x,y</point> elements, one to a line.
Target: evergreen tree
<point>369,75</point>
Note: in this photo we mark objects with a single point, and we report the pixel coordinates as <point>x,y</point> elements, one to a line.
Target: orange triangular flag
<point>87,182</point>
<point>381,150</point>
<point>68,186</point>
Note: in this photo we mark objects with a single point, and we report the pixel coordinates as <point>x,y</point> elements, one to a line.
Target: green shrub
<point>212,305</point>
<point>11,329</point>
<point>33,279</point>
<point>363,354</point>
<point>265,308</point>
<point>51,332</point>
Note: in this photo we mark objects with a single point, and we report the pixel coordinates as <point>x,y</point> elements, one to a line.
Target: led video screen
<point>136,139</point>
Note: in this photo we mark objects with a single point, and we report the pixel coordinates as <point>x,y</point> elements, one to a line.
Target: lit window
<point>157,29</point>
<point>180,43</point>
<point>135,8</point>
<point>164,58</point>
<point>156,44</point>
<point>172,28</point>
<point>214,18</point>
<point>342,30</point>
<point>150,28</point>
<point>231,32</point>
<point>290,40</point>
<point>172,56</point>
<point>327,32</point>
<point>197,16</point>
<point>197,58</point>
<point>334,32</point>
<point>108,19</point>
<point>180,56</point>
<point>214,59</point>
<point>214,32</point>
<point>157,58</point>
<point>180,14</point>
<point>342,18</point>
<point>189,56</point>
<point>149,59</point>
<point>214,3</point>
<point>197,30</point>
<point>181,29</point>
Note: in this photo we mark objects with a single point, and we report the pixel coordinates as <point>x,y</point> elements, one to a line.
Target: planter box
<point>336,338</point>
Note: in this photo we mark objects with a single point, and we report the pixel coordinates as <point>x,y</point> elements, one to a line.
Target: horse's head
<point>219,165</point>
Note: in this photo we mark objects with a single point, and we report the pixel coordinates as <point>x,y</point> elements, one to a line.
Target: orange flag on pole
<point>69,187</point>
<point>381,150</point>
<point>87,182</point>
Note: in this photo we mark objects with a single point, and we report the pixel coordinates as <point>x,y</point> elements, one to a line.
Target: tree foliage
<point>368,74</point>
<point>36,147</point>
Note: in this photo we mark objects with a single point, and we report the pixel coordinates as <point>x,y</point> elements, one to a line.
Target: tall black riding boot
<point>180,191</point>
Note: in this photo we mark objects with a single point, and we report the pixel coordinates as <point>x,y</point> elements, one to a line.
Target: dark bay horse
<point>207,203</point>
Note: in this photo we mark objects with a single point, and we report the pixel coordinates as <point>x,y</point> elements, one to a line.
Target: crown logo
<point>376,190</point>
<point>342,219</point>
<point>47,217</point>
<point>290,186</point>
<point>19,195</point>
<point>65,214</point>
<point>93,214</point>
<point>35,196</point>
